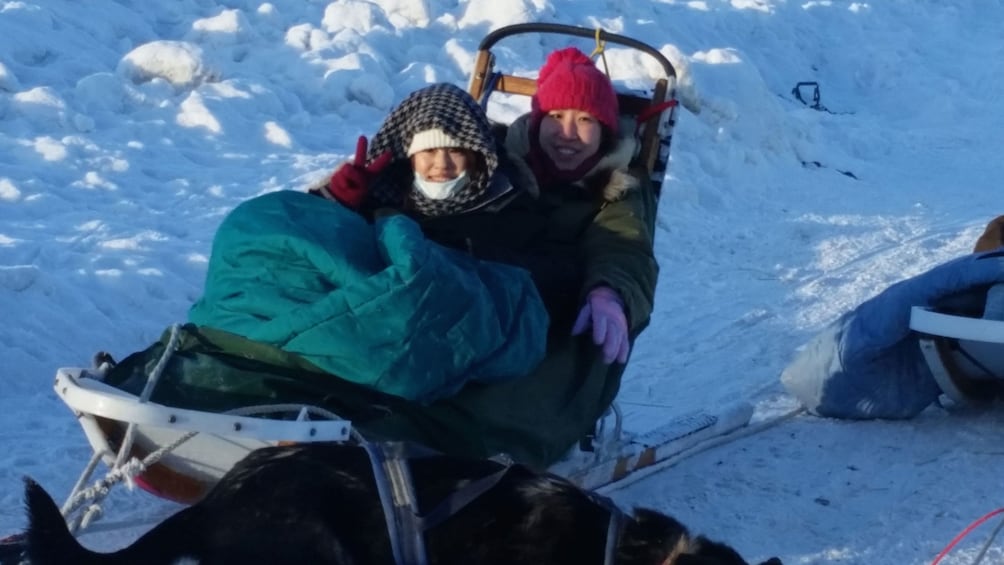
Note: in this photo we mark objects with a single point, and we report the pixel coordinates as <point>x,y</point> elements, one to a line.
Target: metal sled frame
<point>174,453</point>
<point>657,112</point>
<point>965,354</point>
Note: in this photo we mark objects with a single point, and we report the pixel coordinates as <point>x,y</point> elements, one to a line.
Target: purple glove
<point>605,311</point>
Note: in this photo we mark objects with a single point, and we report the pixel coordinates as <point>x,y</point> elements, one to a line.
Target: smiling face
<point>440,164</point>
<point>569,137</point>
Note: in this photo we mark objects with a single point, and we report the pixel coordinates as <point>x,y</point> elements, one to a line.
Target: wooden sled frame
<point>657,113</point>
<point>965,354</point>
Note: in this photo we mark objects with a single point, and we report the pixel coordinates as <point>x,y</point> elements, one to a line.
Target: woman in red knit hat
<point>573,144</point>
<point>573,113</point>
<point>582,223</point>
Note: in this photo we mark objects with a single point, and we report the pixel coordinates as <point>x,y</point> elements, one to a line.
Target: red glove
<point>605,312</point>
<point>350,181</point>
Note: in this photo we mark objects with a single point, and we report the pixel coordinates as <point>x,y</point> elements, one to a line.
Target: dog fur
<point>318,504</point>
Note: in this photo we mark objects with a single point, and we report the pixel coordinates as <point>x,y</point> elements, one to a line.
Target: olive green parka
<point>571,238</point>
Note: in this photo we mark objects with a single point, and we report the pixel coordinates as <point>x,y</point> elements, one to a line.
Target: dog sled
<point>962,337</point>
<point>964,352</point>
<point>178,454</point>
<point>934,337</point>
<point>176,438</point>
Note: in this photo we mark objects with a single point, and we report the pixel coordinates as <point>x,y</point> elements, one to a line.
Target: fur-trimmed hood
<point>610,176</point>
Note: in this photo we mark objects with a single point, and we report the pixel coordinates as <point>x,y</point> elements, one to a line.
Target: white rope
<point>121,470</point>
<point>93,512</point>
<point>100,489</point>
<point>95,493</point>
<point>125,471</point>
<point>266,408</point>
<point>988,543</point>
<point>158,369</point>
<point>152,379</point>
<point>84,477</point>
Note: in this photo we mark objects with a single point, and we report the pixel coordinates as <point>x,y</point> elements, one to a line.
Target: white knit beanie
<point>431,139</point>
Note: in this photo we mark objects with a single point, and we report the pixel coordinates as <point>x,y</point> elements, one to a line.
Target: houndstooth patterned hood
<point>446,107</point>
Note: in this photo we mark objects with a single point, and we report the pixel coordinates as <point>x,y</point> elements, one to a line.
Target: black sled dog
<point>321,504</point>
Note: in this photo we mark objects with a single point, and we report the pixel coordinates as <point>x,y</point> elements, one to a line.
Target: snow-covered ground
<point>127,131</point>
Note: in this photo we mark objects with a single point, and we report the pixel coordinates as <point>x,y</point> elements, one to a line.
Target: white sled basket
<point>183,453</point>
<point>178,454</point>
<point>965,354</point>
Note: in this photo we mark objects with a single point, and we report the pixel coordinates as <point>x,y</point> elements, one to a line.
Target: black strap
<point>405,526</point>
<point>457,500</point>
<point>397,496</point>
<point>614,528</point>
<point>614,525</point>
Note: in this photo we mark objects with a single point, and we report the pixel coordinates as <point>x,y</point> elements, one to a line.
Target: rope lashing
<point>124,472</point>
<point>600,50</point>
<point>152,380</point>
<point>125,467</point>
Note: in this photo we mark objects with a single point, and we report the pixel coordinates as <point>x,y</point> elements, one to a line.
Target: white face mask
<point>440,190</point>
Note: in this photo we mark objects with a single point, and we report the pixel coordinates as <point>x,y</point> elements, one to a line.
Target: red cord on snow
<point>965,533</point>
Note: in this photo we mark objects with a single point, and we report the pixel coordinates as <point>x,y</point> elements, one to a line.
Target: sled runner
<point>964,352</point>
<point>629,451</point>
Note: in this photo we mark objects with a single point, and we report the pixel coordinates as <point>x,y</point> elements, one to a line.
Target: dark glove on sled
<point>350,181</point>
<point>604,310</point>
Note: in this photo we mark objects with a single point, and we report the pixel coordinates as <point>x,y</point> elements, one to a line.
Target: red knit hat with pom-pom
<point>570,80</point>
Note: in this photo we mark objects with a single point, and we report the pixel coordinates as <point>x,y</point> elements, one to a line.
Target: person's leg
<point>893,382</point>
<point>535,419</point>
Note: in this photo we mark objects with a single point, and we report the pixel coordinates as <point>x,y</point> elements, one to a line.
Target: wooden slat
<point>516,85</point>
<point>630,104</point>
<point>650,135</point>
<point>482,68</point>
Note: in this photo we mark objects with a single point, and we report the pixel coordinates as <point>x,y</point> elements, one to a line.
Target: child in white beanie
<point>434,155</point>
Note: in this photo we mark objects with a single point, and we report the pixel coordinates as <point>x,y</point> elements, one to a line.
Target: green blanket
<point>375,304</point>
<point>535,419</point>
